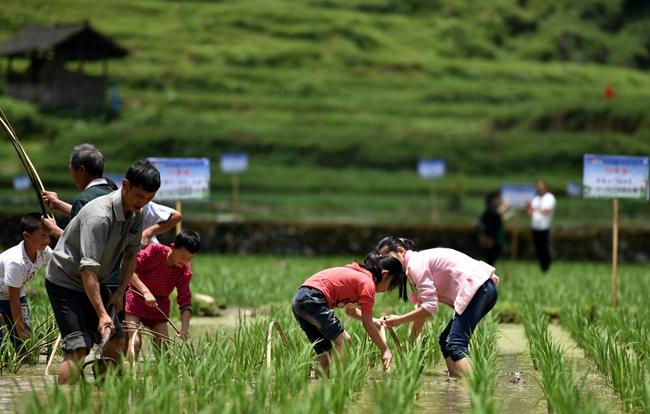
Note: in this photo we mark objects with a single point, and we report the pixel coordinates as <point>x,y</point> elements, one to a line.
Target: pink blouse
<point>447,276</point>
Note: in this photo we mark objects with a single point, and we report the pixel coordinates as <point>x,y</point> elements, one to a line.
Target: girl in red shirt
<point>313,303</point>
<point>159,271</point>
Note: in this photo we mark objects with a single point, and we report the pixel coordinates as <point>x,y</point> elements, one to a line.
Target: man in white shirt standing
<point>541,210</point>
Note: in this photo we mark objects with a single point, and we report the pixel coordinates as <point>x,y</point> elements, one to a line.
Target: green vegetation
<point>336,100</point>
<point>222,369</point>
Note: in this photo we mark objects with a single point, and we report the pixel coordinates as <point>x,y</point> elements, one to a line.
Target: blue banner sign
<point>615,176</point>
<point>573,189</point>
<point>431,168</point>
<point>517,195</point>
<point>22,182</point>
<point>234,162</point>
<point>183,178</point>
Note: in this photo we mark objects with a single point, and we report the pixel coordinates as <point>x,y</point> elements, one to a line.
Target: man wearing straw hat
<point>106,228</point>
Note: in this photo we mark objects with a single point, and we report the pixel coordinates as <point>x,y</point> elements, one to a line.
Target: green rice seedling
<point>559,382</point>
<point>482,382</point>
<point>627,373</point>
<point>397,392</point>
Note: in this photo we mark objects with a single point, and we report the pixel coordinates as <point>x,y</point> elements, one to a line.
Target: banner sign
<point>183,178</point>
<point>234,162</point>
<point>518,195</point>
<point>431,168</point>
<point>22,182</point>
<point>615,176</point>
<point>573,189</point>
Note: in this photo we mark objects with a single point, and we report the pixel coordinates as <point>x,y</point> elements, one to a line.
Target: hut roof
<point>69,42</point>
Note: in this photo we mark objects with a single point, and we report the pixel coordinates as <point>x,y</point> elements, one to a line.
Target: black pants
<point>541,239</point>
<point>492,254</point>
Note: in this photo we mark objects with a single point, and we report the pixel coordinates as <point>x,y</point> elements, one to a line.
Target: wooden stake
<point>235,193</point>
<point>179,208</point>
<point>615,253</point>
<point>434,204</point>
<point>514,251</point>
<point>269,340</point>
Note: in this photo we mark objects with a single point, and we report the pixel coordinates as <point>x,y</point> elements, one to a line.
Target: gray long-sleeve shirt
<point>94,239</point>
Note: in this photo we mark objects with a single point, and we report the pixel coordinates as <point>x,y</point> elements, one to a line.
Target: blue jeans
<point>5,311</point>
<point>454,340</point>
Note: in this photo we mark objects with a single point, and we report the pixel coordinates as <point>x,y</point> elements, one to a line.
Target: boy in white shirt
<point>18,265</point>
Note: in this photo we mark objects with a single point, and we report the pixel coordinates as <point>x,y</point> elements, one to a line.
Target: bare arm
<point>91,287</point>
<point>354,312</point>
<point>370,327</point>
<point>16,312</point>
<point>185,323</point>
<point>51,199</point>
<point>395,320</point>
<point>127,269</point>
<point>149,298</point>
<point>174,218</point>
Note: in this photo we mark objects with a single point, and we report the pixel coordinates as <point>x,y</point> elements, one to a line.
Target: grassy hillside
<point>336,100</point>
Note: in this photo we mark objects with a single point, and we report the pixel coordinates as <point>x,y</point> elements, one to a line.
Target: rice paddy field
<point>552,344</point>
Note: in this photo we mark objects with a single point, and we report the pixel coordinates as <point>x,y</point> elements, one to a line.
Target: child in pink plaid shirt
<point>160,269</point>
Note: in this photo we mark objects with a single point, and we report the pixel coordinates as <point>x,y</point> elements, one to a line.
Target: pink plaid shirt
<point>161,280</point>
<point>447,276</point>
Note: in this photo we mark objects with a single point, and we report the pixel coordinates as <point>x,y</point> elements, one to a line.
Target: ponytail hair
<point>375,264</point>
<point>391,244</point>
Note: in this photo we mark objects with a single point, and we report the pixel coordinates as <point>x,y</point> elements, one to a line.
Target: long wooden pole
<point>615,253</point>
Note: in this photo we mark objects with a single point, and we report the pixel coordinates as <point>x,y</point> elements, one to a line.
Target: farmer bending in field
<point>453,278</point>
<point>355,283</point>
<point>106,228</point>
<point>160,269</point>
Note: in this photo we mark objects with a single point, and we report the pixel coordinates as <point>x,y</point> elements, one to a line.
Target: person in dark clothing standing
<point>490,227</point>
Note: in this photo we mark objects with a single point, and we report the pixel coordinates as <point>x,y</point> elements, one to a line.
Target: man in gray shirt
<point>104,229</point>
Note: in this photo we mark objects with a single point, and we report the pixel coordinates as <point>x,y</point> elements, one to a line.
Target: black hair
<point>89,157</point>
<point>30,222</point>
<point>144,175</point>
<point>392,243</point>
<point>189,240</point>
<point>375,263</point>
<point>491,196</point>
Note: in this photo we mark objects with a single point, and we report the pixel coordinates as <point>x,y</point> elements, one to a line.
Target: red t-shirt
<point>161,280</point>
<point>343,285</point>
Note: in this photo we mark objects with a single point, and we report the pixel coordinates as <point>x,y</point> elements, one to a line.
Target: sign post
<point>615,176</point>
<point>182,179</point>
<point>517,196</point>
<point>432,169</point>
<point>234,164</point>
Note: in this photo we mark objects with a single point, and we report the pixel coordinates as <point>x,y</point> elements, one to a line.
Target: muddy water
<point>438,394</point>
<point>517,381</point>
<point>14,387</point>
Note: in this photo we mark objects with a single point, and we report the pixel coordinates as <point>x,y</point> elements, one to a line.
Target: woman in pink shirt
<point>313,303</point>
<point>448,276</point>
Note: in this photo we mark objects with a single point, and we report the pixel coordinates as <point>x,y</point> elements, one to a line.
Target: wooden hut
<point>47,80</point>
